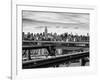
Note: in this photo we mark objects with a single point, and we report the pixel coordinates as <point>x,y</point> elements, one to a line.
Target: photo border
<point>12,66</point>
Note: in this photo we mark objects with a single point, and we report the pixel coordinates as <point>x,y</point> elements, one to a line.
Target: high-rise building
<point>46,32</point>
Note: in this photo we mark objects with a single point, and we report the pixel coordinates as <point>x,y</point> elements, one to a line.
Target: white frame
<point>17,72</point>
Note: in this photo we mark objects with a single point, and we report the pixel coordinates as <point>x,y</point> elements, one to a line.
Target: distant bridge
<point>70,42</point>
<point>55,43</point>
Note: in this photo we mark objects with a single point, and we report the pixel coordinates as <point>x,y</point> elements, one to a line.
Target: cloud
<point>33,20</point>
<point>54,17</point>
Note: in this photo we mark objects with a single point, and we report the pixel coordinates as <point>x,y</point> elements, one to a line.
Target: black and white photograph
<point>55,39</point>
<point>50,40</point>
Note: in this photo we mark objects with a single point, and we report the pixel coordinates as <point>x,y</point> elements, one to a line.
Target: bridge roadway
<point>31,41</point>
<point>41,63</point>
<point>46,44</point>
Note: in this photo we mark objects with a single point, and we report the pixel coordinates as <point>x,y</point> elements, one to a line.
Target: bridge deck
<point>54,42</point>
<point>52,60</point>
<point>45,46</point>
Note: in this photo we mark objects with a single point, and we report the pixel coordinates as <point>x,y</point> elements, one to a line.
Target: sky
<point>59,22</point>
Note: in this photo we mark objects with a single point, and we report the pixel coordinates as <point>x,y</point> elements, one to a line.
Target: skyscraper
<point>46,31</point>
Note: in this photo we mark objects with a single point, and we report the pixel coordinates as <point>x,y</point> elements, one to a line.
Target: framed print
<point>52,40</point>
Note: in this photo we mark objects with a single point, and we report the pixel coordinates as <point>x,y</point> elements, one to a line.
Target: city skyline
<point>56,22</point>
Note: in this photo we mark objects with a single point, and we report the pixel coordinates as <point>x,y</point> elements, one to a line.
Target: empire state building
<point>46,31</point>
